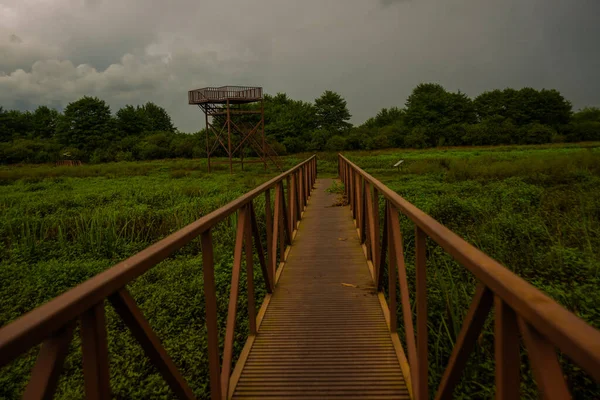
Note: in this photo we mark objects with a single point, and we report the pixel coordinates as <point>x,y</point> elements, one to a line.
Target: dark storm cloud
<point>372,52</point>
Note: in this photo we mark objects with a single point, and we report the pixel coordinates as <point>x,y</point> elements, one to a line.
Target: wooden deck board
<point>320,338</point>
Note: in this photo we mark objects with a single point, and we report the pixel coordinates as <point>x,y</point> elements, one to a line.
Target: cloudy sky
<point>373,52</point>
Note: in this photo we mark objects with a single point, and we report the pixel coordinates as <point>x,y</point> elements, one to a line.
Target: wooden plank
<point>319,338</point>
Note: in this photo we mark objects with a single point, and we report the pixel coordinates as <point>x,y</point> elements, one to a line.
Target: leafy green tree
<point>332,113</point>
<point>294,144</point>
<point>431,105</point>
<point>44,122</point>
<point>86,124</point>
<point>490,104</point>
<point>535,133</point>
<point>159,119</point>
<point>336,143</point>
<point>15,124</point>
<point>418,138</point>
<point>285,117</point>
<point>5,133</point>
<point>525,106</point>
<point>386,117</point>
<point>587,114</point>
<point>132,120</point>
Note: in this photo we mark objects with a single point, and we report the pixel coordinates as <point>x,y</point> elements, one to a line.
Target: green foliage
<point>336,143</point>
<point>61,226</point>
<point>535,209</point>
<point>525,106</point>
<point>286,118</point>
<point>157,117</point>
<point>86,124</point>
<point>432,117</point>
<point>431,105</point>
<point>44,122</point>
<point>332,113</point>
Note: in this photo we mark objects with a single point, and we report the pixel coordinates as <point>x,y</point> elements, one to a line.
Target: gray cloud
<point>391,2</point>
<point>133,52</point>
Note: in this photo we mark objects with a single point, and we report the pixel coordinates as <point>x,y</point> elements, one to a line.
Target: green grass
<point>61,226</point>
<point>534,209</point>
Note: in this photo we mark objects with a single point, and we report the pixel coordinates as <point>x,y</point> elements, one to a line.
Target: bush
<point>294,145</point>
<point>336,143</point>
<point>417,138</point>
<point>535,134</point>
<point>101,156</point>
<point>124,156</point>
<point>151,151</point>
<point>278,148</point>
<point>582,131</point>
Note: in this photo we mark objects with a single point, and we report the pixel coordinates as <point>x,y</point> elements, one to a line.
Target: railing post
<point>506,351</point>
<point>269,221</point>
<point>242,223</point>
<point>250,272</point>
<point>421,387</point>
<point>210,299</point>
<point>290,210</point>
<point>276,233</point>
<point>392,265</point>
<point>95,353</point>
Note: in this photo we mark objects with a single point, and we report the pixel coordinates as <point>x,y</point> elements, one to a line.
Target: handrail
<point>519,306</point>
<point>52,322</point>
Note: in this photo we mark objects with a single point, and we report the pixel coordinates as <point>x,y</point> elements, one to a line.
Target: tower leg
<point>207,144</point>
<point>229,138</point>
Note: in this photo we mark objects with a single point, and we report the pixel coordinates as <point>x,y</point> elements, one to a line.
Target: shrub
<point>417,138</point>
<point>535,134</point>
<point>336,143</point>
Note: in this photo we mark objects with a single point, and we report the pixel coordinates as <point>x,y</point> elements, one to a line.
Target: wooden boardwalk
<point>324,334</point>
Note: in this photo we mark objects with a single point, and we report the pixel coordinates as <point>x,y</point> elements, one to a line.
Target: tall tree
<point>285,117</point>
<point>431,105</point>
<point>44,122</point>
<point>385,117</point>
<point>159,119</point>
<point>132,120</point>
<point>86,124</point>
<point>332,113</point>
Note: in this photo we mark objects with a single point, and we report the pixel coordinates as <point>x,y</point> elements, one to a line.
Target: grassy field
<point>61,226</point>
<point>535,209</point>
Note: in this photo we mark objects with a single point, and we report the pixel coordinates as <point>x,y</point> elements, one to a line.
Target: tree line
<point>432,116</point>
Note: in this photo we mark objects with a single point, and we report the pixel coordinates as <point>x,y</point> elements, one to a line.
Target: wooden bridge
<point>325,328</point>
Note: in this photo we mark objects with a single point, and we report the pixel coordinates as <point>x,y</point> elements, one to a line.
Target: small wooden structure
<point>234,122</point>
<point>68,163</point>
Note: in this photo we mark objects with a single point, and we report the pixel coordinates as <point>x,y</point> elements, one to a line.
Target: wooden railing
<point>519,308</point>
<point>223,93</point>
<point>53,323</point>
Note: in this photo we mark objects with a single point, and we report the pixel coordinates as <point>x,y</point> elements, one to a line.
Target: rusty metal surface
<point>324,334</point>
